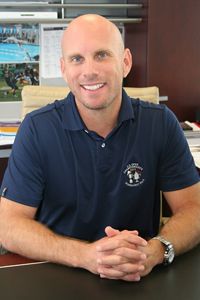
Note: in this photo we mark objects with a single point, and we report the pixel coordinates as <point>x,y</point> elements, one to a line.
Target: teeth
<point>93,87</point>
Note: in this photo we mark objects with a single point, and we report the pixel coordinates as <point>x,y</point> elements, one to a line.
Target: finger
<point>126,267</point>
<point>111,273</point>
<point>120,256</point>
<point>130,231</point>
<point>128,277</point>
<point>111,231</point>
<point>130,268</point>
<point>130,254</point>
<point>132,277</point>
<point>119,241</point>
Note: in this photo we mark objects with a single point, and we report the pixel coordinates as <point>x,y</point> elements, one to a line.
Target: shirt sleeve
<point>23,181</point>
<point>177,168</point>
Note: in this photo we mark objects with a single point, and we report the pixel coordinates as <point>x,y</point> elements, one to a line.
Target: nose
<point>90,70</point>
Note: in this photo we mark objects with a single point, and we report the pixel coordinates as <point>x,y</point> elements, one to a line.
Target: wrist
<point>169,252</point>
<point>79,256</point>
<point>70,252</point>
<point>158,250</point>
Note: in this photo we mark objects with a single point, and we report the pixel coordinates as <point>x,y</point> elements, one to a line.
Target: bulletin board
<point>50,53</point>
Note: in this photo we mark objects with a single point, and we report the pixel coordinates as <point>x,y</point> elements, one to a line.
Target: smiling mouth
<point>93,87</point>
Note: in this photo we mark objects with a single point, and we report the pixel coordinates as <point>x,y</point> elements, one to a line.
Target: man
<point>83,181</point>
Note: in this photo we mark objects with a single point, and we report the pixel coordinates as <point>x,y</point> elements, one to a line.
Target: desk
<point>51,281</point>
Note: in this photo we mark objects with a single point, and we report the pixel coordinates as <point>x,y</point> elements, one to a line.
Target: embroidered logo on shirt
<point>134,175</point>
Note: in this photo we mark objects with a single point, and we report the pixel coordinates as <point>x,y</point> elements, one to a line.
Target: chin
<point>95,107</point>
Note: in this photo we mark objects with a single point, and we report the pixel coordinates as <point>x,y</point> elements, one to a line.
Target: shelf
<point>53,5</point>
<point>62,8</point>
<point>64,20</point>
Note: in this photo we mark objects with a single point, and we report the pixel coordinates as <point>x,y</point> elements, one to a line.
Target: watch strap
<point>169,253</point>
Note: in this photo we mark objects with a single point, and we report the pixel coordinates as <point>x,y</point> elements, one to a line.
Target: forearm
<point>32,239</point>
<point>183,228</point>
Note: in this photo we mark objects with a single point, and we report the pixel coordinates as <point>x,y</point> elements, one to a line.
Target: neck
<point>100,121</point>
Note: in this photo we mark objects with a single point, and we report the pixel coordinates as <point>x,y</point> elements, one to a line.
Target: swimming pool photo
<point>16,52</point>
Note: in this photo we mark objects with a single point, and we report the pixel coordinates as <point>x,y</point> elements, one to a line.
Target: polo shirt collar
<point>72,119</point>
<point>126,111</point>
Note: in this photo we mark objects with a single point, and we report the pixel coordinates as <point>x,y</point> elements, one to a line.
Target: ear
<point>127,62</point>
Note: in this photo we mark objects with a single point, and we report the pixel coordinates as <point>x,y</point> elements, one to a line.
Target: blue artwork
<point>19,43</point>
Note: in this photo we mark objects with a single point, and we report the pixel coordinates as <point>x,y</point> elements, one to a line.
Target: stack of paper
<point>195,150</point>
<point>8,132</point>
<point>194,144</point>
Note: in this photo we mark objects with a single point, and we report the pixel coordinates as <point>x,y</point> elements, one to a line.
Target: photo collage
<point>19,59</point>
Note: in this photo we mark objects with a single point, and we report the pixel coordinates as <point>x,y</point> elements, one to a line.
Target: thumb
<point>111,231</point>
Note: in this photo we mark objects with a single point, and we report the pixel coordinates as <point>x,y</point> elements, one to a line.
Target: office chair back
<point>34,97</point>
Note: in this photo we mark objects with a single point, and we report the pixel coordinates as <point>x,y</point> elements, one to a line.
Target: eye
<point>102,55</point>
<point>76,59</point>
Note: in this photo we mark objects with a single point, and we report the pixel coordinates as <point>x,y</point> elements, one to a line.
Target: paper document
<point>7,139</point>
<point>196,156</point>
<point>51,50</point>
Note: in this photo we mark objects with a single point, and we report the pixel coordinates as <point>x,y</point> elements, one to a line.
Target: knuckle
<point>118,243</point>
<point>122,250</point>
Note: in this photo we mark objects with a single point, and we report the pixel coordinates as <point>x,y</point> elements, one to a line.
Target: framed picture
<point>19,59</point>
<point>14,76</point>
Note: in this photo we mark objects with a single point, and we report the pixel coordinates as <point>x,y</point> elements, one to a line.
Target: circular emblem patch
<point>134,175</point>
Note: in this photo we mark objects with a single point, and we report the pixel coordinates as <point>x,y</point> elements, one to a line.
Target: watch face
<point>169,250</point>
<point>169,255</point>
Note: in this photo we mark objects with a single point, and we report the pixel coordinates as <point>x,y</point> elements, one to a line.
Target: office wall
<point>10,111</point>
<point>136,41</point>
<point>166,51</point>
<point>174,53</point>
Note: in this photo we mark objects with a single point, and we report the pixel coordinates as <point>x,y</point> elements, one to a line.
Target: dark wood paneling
<point>174,53</point>
<point>136,41</point>
<point>3,165</point>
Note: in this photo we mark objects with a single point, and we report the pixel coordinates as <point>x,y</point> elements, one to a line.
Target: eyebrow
<point>70,56</point>
<point>104,50</point>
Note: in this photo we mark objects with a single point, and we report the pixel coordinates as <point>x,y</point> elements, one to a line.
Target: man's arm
<point>20,233</point>
<point>182,229</point>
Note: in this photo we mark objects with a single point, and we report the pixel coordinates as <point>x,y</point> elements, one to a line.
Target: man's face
<point>94,65</point>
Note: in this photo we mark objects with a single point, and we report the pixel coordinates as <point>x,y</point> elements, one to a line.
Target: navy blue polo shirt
<point>81,182</point>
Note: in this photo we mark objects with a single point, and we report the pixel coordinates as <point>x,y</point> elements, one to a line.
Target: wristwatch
<point>169,250</point>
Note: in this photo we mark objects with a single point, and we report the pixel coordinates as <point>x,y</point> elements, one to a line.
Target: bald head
<point>94,61</point>
<point>97,26</point>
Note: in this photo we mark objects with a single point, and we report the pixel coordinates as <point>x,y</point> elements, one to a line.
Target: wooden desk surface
<point>51,281</point>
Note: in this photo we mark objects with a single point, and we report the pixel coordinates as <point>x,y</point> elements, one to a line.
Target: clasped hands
<point>120,255</point>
